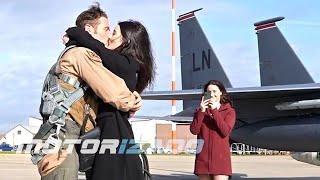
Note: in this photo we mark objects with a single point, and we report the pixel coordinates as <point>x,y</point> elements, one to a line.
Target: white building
<point>2,139</point>
<point>22,134</point>
<point>158,133</point>
<point>145,131</point>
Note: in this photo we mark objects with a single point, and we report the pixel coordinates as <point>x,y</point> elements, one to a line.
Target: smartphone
<point>206,95</point>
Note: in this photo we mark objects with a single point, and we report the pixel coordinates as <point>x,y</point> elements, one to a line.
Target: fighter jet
<point>282,114</point>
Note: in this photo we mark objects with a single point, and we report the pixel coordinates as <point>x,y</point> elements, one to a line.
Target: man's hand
<point>137,103</point>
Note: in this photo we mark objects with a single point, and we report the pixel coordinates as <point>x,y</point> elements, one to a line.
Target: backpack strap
<point>70,80</point>
<point>62,101</point>
<point>60,56</point>
<point>87,117</point>
<point>51,89</point>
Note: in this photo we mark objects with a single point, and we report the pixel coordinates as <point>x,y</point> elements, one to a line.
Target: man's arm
<point>86,65</point>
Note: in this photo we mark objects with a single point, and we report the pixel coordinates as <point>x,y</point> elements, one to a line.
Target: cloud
<point>31,43</point>
<point>240,62</point>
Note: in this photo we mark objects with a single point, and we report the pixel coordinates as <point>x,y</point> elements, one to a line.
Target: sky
<point>31,31</point>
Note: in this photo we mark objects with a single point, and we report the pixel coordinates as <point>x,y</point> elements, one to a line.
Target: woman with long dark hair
<point>129,56</point>
<point>212,123</point>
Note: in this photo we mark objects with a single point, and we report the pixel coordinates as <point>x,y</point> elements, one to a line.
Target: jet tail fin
<point>199,63</point>
<point>279,65</point>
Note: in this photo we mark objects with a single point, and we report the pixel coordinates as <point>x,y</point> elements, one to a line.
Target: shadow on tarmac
<point>239,176</point>
<point>178,175</point>
<point>235,176</point>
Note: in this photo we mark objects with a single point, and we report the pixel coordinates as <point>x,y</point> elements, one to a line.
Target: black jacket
<point>113,123</point>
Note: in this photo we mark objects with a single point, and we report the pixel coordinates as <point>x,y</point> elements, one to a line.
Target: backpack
<point>55,104</point>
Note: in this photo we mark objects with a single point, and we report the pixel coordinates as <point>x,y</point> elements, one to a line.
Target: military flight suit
<point>85,66</point>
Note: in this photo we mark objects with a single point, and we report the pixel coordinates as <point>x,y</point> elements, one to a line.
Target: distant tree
<point>145,146</point>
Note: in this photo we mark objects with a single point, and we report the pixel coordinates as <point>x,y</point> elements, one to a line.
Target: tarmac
<point>170,167</point>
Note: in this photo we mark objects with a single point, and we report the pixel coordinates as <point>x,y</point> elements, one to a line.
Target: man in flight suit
<point>86,67</point>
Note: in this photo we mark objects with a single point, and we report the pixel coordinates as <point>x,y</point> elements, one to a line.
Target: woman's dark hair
<point>136,44</point>
<point>225,98</point>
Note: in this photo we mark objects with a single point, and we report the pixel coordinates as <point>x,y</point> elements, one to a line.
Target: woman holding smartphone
<point>212,123</point>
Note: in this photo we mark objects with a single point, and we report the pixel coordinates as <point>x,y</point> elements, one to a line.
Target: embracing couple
<point>115,66</point>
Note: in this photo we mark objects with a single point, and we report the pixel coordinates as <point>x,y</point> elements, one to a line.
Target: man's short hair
<point>90,16</point>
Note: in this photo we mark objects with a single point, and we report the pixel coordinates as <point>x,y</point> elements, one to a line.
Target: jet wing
<point>268,101</point>
<point>193,94</point>
<point>238,93</point>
